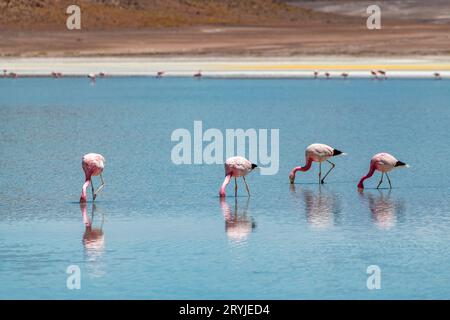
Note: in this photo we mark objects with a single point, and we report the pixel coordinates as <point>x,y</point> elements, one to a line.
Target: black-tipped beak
<point>253,166</point>
<point>336,152</point>
<point>400,164</point>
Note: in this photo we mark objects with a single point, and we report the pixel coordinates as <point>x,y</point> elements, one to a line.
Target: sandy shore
<point>230,66</point>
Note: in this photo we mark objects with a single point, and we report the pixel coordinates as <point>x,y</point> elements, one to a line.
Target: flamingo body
<point>383,162</point>
<point>93,165</point>
<point>236,167</point>
<point>316,152</point>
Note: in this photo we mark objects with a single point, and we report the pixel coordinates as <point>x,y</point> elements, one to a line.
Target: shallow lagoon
<point>160,230</point>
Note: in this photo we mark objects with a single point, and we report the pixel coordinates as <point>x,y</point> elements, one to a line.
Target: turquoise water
<point>160,231</point>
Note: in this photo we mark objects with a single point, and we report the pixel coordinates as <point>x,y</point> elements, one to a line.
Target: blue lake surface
<point>160,231</point>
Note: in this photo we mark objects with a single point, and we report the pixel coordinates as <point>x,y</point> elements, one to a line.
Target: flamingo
<point>91,76</point>
<point>316,74</point>
<point>93,164</point>
<point>159,74</point>
<point>13,75</point>
<point>198,74</point>
<point>102,74</point>
<point>374,74</point>
<point>383,73</point>
<point>437,76</point>
<point>317,152</point>
<point>383,162</point>
<point>236,167</point>
<point>327,75</point>
<point>4,73</point>
<point>344,75</point>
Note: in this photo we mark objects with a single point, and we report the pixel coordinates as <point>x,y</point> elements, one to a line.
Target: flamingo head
<point>292,177</point>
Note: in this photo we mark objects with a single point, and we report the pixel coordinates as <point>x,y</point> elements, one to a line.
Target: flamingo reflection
<point>383,208</point>
<point>322,207</point>
<point>93,240</point>
<point>238,225</point>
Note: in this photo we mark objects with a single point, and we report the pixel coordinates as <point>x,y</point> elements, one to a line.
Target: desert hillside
<point>133,14</point>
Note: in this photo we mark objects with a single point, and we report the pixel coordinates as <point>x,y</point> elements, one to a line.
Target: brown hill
<point>136,14</point>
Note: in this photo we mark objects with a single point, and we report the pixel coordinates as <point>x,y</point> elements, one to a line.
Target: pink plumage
<point>316,152</point>
<point>93,165</point>
<point>236,167</point>
<point>383,162</point>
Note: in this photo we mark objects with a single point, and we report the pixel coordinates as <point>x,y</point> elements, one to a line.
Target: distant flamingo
<point>159,74</point>
<point>317,152</point>
<point>327,75</point>
<point>383,162</point>
<point>93,164</point>
<point>374,74</point>
<point>56,74</point>
<point>92,77</point>
<point>344,75</point>
<point>316,74</point>
<point>13,75</point>
<point>102,74</point>
<point>236,167</point>
<point>437,76</point>
<point>4,73</point>
<point>383,73</point>
<point>198,74</point>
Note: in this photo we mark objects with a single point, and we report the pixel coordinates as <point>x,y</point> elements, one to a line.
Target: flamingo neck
<point>226,181</point>
<point>306,167</point>
<point>368,175</point>
<point>83,190</point>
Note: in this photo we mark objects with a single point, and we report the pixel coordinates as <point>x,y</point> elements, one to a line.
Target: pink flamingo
<point>159,74</point>
<point>383,73</point>
<point>4,73</point>
<point>327,74</point>
<point>317,152</point>
<point>383,162</point>
<point>344,75</point>
<point>13,75</point>
<point>236,167</point>
<point>316,74</point>
<point>102,74</point>
<point>374,74</point>
<point>92,77</point>
<point>437,76</point>
<point>93,164</point>
<point>198,74</point>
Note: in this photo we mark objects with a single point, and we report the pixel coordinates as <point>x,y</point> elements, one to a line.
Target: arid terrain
<point>37,28</point>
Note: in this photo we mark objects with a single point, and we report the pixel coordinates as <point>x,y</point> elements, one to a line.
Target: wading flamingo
<point>383,73</point>
<point>102,74</point>
<point>383,162</point>
<point>93,164</point>
<point>13,75</point>
<point>374,74</point>
<point>198,74</point>
<point>327,74</point>
<point>316,74</point>
<point>437,76</point>
<point>317,152</point>
<point>4,73</point>
<point>236,167</point>
<point>159,74</point>
<point>344,75</point>
<point>91,76</point>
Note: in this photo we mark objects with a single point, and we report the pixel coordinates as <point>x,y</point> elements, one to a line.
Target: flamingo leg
<point>332,167</point>
<point>235,187</point>
<point>389,180</point>
<point>99,188</point>
<point>381,180</point>
<point>92,188</point>
<point>246,186</point>
<point>320,172</point>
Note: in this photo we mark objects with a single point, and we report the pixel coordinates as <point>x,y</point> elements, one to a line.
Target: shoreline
<point>230,67</point>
